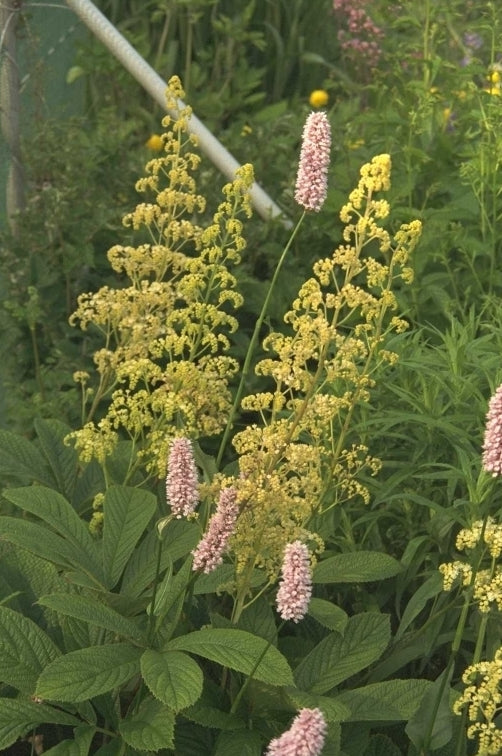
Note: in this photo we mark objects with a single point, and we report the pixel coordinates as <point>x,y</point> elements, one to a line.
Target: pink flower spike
<point>305,737</point>
<point>181,481</point>
<point>209,553</point>
<point>492,445</point>
<point>312,177</point>
<point>295,588</point>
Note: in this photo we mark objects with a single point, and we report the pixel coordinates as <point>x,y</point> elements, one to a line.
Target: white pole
<point>156,86</point>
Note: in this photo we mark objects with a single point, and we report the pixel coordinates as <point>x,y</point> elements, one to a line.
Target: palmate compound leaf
<point>17,717</point>
<point>173,677</point>
<point>338,657</point>
<point>88,672</point>
<point>150,728</point>
<point>238,650</point>
<point>25,650</point>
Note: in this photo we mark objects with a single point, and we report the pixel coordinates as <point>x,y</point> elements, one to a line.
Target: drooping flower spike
<point>312,177</point>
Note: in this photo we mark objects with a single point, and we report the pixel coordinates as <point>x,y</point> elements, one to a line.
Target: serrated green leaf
<point>431,725</point>
<point>92,611</point>
<point>243,742</point>
<point>21,460</point>
<point>356,567</point>
<point>17,717</point>
<point>238,650</point>
<point>392,700</point>
<point>88,672</point>
<point>328,614</point>
<point>431,588</point>
<point>62,459</point>
<point>338,657</point>
<point>79,746</point>
<point>209,716</point>
<point>57,512</point>
<point>24,650</point>
<point>259,619</point>
<point>39,541</point>
<point>151,728</point>
<point>332,708</point>
<point>173,677</point>
<point>127,512</point>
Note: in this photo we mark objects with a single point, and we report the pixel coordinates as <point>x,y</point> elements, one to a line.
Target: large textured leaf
<point>88,672</point>
<point>242,742</point>
<point>393,700</point>
<point>24,650</point>
<point>173,677</point>
<point>338,657</point>
<point>431,726</point>
<point>149,729</point>
<point>18,717</point>
<point>127,513</point>
<point>78,746</point>
<point>328,614</point>
<point>332,708</point>
<point>21,460</point>
<point>62,459</point>
<point>238,650</point>
<point>356,567</point>
<point>92,611</point>
<point>259,619</point>
<point>57,512</point>
<point>40,541</point>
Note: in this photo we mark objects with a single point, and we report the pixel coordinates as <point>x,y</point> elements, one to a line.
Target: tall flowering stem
<point>305,737</point>
<point>311,189</point>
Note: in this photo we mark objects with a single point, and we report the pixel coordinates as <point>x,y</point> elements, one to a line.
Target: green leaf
<point>21,460</point>
<point>393,700</point>
<point>259,619</point>
<point>39,541</point>
<point>431,588</point>
<point>53,508</point>
<point>173,677</point>
<point>79,746</point>
<point>243,742</point>
<point>238,650</point>
<point>332,708</point>
<point>24,650</point>
<point>18,717</point>
<point>381,745</point>
<point>127,513</point>
<point>92,611</point>
<point>62,459</point>
<point>209,716</point>
<point>430,727</point>
<point>149,729</point>
<point>88,672</point>
<point>356,567</point>
<point>338,657</point>
<point>328,614</point>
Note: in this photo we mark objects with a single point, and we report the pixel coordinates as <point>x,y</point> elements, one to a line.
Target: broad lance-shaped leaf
<point>92,611</point>
<point>392,700</point>
<point>53,508</point>
<point>173,677</point>
<point>78,746</point>
<point>62,459</point>
<point>150,728</point>
<point>88,672</point>
<point>18,717</point>
<point>238,650</point>
<point>356,567</point>
<point>24,650</point>
<point>338,657</point>
<point>127,513</point>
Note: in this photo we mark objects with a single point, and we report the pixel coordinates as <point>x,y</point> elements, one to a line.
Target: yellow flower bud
<point>155,143</point>
<point>318,98</point>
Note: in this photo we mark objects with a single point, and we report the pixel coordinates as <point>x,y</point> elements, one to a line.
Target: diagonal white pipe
<point>156,86</point>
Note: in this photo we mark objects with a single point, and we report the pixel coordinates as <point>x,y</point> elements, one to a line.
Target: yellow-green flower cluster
<point>486,583</point>
<point>483,697</point>
<point>163,368</point>
<point>299,461</point>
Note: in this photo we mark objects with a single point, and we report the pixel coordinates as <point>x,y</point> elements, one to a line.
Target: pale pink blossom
<point>181,481</point>
<point>305,737</point>
<point>209,553</point>
<point>312,177</point>
<point>492,445</point>
<point>295,587</point>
